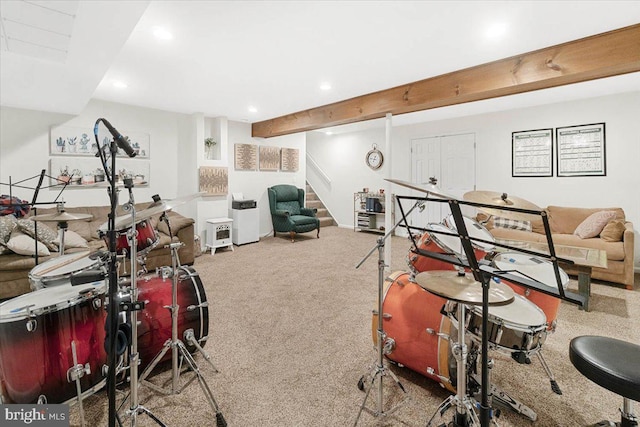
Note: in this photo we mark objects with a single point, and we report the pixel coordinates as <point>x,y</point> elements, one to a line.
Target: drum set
<point>53,341</point>
<point>439,320</point>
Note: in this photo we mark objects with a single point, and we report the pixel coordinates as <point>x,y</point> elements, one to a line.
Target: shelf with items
<point>369,210</point>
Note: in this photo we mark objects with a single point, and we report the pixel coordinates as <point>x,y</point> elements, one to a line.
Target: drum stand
<point>178,347</point>
<point>465,414</point>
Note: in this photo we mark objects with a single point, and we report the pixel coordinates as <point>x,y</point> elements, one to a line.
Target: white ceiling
<point>228,55</point>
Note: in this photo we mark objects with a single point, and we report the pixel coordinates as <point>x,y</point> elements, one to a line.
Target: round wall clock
<point>374,158</point>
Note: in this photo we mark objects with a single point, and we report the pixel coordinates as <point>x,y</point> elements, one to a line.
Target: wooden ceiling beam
<point>603,55</point>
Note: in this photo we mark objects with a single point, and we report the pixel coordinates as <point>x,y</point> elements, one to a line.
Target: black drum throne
<point>612,364</point>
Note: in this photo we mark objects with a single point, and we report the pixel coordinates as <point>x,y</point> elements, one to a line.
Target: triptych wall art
<point>251,157</point>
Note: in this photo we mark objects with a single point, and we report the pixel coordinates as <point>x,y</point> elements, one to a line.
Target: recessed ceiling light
<point>325,86</point>
<point>253,109</point>
<point>162,33</point>
<point>120,85</point>
<point>329,132</point>
<point>496,30</point>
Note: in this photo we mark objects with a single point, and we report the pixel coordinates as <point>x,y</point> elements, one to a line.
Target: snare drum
<point>146,238</point>
<point>57,271</point>
<point>439,243</point>
<point>412,318</point>
<point>36,335</point>
<point>154,327</point>
<point>540,270</point>
<point>518,326</point>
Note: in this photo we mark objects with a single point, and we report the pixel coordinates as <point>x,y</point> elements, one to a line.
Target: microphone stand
<point>113,308</point>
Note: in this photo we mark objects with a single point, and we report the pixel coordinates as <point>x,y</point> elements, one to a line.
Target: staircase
<point>312,201</point>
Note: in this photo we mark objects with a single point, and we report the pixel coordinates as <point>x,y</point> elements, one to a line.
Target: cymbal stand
<point>132,307</point>
<point>178,348</point>
<point>379,370</point>
<point>465,414</point>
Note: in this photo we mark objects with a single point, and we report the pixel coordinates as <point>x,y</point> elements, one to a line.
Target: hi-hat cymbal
<point>452,286</point>
<point>501,200</point>
<point>425,188</point>
<point>62,216</point>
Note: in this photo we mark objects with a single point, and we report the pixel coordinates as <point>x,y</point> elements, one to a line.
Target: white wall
<point>342,158</point>
<point>254,184</point>
<point>620,187</point>
<point>24,148</point>
<point>175,157</point>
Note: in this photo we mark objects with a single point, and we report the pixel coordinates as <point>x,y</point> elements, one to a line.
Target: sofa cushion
<point>72,240</point>
<point>565,220</point>
<point>593,225</point>
<point>613,231</point>
<point>46,235</point>
<point>7,225</point>
<point>23,244</point>
<point>513,224</point>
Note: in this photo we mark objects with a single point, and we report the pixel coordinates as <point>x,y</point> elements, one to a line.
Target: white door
<point>451,161</point>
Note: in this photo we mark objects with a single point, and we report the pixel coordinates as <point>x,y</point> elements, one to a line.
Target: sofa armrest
<point>186,235</point>
<point>628,240</point>
<point>177,222</point>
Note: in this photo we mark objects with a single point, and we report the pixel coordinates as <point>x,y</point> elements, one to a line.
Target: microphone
<point>120,140</point>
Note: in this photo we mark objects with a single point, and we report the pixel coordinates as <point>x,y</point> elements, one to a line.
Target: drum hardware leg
<point>74,374</point>
<point>190,337</point>
<point>554,384</point>
<point>465,414</point>
<point>179,351</point>
<point>379,371</point>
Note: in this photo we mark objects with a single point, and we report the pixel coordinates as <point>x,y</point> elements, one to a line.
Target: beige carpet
<point>290,332</point>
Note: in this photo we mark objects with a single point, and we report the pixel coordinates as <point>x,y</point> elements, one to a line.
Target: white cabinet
<point>246,225</point>
<point>369,212</point>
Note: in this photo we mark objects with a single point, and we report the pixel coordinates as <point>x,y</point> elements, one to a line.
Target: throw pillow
<point>7,224</point>
<point>613,231</point>
<point>72,240</point>
<point>593,225</point>
<point>513,224</point>
<point>24,244</point>
<point>46,235</point>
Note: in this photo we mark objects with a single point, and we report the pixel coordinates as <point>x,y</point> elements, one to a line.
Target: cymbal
<point>156,208</point>
<point>452,286</point>
<point>62,216</point>
<point>501,200</point>
<point>425,188</point>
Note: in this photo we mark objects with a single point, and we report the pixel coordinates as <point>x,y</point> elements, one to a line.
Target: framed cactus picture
<point>80,141</point>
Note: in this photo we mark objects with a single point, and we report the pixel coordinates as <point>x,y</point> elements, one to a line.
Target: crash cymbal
<point>431,189</point>
<point>501,200</point>
<point>62,216</point>
<point>156,208</point>
<point>452,286</point>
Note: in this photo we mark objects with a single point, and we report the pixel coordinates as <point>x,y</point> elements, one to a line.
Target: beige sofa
<point>14,268</point>
<point>563,221</point>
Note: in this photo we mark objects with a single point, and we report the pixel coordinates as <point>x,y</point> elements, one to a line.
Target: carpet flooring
<point>291,335</point>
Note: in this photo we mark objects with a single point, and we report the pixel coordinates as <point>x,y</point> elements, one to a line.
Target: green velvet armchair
<point>288,213</point>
